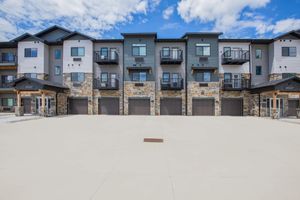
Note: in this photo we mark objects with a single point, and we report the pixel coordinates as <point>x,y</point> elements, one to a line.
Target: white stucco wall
<point>233,68</point>
<point>35,64</point>
<point>86,63</point>
<point>281,64</point>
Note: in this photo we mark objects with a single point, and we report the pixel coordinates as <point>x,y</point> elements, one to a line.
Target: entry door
<point>113,55</point>
<point>39,104</point>
<point>113,78</point>
<point>236,83</point>
<point>175,52</point>
<point>26,102</point>
<point>279,106</point>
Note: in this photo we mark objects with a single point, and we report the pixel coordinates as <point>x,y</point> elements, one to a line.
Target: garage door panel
<point>139,106</point>
<point>232,106</point>
<point>203,107</point>
<point>171,106</point>
<point>293,104</point>
<point>109,106</point>
<point>78,106</point>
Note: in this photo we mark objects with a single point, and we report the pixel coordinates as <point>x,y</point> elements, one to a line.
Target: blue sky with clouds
<point>170,18</point>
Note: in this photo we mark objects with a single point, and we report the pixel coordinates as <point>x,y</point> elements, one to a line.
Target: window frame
<point>203,46</point>
<point>165,49</point>
<point>57,54</point>
<point>103,49</point>
<point>137,76</point>
<point>101,77</point>
<point>77,75</point>
<point>77,53</point>
<point>258,56</point>
<point>288,52</point>
<point>224,52</point>
<point>30,52</point>
<point>256,68</point>
<point>167,79</point>
<point>55,70</point>
<point>139,46</point>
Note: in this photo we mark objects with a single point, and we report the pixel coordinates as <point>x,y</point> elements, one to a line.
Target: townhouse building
<point>58,72</point>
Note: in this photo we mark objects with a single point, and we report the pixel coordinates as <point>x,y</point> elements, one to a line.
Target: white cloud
<point>170,26</point>
<point>168,12</point>
<point>91,17</point>
<point>224,13</point>
<point>286,25</point>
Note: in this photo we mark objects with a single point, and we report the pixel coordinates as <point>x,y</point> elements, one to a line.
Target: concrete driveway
<point>105,158</point>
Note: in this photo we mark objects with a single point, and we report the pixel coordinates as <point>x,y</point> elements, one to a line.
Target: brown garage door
<point>203,107</point>
<point>109,106</point>
<point>293,104</point>
<point>170,106</point>
<point>232,106</point>
<point>78,106</point>
<point>139,107</point>
<point>26,102</point>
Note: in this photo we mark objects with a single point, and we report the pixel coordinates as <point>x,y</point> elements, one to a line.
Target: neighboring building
<point>63,72</point>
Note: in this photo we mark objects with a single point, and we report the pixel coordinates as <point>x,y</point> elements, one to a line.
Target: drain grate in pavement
<point>154,140</point>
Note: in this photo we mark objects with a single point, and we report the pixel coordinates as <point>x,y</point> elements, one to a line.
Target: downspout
<point>123,81</point>
<point>259,104</point>
<point>56,102</point>
<point>186,80</point>
<point>250,63</point>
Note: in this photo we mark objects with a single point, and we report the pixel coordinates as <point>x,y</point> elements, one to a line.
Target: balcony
<point>8,61</point>
<point>171,84</point>
<point>6,86</point>
<point>235,57</point>
<point>109,84</point>
<point>236,84</point>
<point>112,58</point>
<point>169,57</point>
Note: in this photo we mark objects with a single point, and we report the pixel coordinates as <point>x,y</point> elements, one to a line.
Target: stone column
<point>19,109</point>
<point>275,113</point>
<point>43,111</point>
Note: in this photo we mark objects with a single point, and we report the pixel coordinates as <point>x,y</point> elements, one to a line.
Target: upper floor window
<point>258,53</point>
<point>57,70</point>
<point>7,78</point>
<point>258,70</point>
<point>139,50</point>
<point>104,52</point>
<point>30,52</point>
<point>8,102</point>
<point>77,51</point>
<point>57,54</point>
<point>205,76</point>
<point>31,75</point>
<point>77,77</point>
<point>7,57</point>
<point>203,49</point>
<point>227,52</point>
<point>165,51</point>
<point>139,76</point>
<point>289,51</point>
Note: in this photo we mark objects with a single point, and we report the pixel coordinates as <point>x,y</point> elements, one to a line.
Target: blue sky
<point>169,18</point>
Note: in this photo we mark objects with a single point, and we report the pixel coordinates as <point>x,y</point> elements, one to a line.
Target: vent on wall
<point>76,59</point>
<point>139,59</point>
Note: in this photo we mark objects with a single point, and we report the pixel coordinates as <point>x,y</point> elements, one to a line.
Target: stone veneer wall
<point>62,102</point>
<point>147,90</point>
<point>196,91</point>
<point>167,94</point>
<point>107,93</point>
<point>84,89</point>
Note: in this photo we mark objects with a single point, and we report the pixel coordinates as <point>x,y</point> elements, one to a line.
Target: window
<point>57,54</point>
<point>8,102</point>
<point>8,57</point>
<point>166,77</point>
<point>203,76</point>
<point>139,50</point>
<point>104,77</point>
<point>30,75</point>
<point>165,51</point>
<point>104,53</point>
<point>258,70</point>
<point>57,70</point>
<point>30,52</point>
<point>206,76</point>
<point>227,52</point>
<point>139,76</point>
<point>77,77</point>
<point>203,49</point>
<point>7,78</point>
<point>77,51</point>
<point>258,53</point>
<point>289,51</point>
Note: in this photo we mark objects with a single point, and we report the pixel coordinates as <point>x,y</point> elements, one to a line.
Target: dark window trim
<point>56,54</point>
<point>229,55</point>
<point>256,67</point>
<point>256,53</point>
<point>289,51</point>
<point>132,47</point>
<point>31,55</point>
<point>57,74</point>
<point>107,77</point>
<point>203,51</point>
<point>78,51</point>
<point>169,76</point>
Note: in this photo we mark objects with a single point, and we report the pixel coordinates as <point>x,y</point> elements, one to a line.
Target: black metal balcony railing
<point>8,60</point>
<point>108,84</point>
<point>235,57</point>
<point>6,85</point>
<point>236,84</point>
<point>171,84</point>
<point>111,58</point>
<point>171,56</point>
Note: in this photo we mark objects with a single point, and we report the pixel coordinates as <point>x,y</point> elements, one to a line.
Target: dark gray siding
<point>263,62</point>
<point>193,60</point>
<point>54,35</point>
<point>55,62</point>
<point>149,59</point>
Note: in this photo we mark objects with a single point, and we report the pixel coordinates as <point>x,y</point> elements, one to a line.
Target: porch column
<point>19,109</point>
<point>43,104</point>
<point>275,114</point>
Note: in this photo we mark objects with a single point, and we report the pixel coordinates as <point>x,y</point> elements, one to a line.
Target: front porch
<point>38,97</point>
<point>277,99</point>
